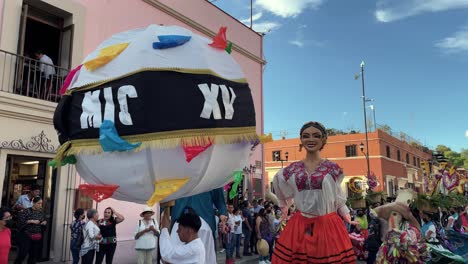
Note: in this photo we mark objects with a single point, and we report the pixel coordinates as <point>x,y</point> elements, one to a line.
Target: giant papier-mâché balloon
<point>160,112</point>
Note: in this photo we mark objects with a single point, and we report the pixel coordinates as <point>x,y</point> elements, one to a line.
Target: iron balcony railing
<point>29,77</point>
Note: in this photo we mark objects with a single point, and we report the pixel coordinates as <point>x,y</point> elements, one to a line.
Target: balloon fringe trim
<point>164,140</point>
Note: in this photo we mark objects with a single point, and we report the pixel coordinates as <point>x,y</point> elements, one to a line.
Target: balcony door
<point>43,28</point>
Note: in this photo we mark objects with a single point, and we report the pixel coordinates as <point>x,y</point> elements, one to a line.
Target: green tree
<point>334,132</point>
<point>455,158</point>
<point>459,160</point>
<point>442,148</point>
<point>386,128</point>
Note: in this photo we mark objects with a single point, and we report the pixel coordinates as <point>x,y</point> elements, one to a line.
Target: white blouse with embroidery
<point>315,194</point>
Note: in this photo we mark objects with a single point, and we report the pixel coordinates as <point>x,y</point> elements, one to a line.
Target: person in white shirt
<point>192,251</point>
<point>92,236</point>
<point>205,234</point>
<point>146,234</point>
<point>47,65</point>
<point>236,230</point>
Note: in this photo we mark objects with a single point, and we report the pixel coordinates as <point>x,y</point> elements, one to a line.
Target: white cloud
<point>254,18</point>
<point>456,43</point>
<point>266,26</point>
<point>287,8</point>
<point>298,43</point>
<point>391,10</point>
<point>261,27</point>
<point>466,133</point>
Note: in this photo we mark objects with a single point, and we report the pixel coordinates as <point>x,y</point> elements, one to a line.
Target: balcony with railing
<point>29,77</point>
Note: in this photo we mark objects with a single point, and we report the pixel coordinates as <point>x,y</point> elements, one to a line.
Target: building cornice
<point>192,23</point>
<point>26,108</point>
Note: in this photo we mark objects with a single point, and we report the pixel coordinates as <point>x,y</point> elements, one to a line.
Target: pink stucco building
<point>68,30</point>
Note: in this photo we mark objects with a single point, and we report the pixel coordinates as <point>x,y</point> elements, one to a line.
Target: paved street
<point>125,254</point>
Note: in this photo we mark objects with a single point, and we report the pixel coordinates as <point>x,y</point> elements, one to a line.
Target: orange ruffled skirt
<point>317,240</point>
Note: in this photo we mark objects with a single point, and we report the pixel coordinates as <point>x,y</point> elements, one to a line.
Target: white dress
<point>314,194</point>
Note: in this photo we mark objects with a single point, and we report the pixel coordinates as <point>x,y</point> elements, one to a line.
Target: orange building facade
<point>396,163</point>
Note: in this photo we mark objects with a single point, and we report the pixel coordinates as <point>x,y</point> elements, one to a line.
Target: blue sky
<point>416,64</point>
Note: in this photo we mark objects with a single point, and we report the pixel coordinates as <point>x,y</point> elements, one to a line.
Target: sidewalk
<point>125,254</point>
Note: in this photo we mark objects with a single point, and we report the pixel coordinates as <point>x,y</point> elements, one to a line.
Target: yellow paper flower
<point>105,56</point>
<point>164,188</point>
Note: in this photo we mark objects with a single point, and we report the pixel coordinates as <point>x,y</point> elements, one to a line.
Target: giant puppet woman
<point>316,234</point>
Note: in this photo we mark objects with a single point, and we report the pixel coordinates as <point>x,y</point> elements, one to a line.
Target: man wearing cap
<point>192,251</point>
<point>145,235</point>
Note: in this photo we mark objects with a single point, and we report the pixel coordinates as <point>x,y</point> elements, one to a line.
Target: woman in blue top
<point>77,234</point>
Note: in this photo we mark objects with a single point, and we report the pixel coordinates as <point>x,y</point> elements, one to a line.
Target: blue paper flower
<point>170,41</point>
<point>110,139</point>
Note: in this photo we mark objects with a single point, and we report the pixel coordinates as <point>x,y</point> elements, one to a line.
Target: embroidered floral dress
<point>316,193</point>
<point>315,234</point>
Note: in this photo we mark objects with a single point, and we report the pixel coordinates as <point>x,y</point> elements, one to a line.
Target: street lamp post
<point>361,146</point>
<point>364,100</point>
<point>278,158</point>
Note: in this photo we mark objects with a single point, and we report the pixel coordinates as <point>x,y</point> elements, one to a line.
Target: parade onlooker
<point>47,65</point>
<point>5,234</point>
<point>30,224</point>
<point>361,218</point>
<point>253,233</point>
<point>26,200</point>
<point>230,235</point>
<point>236,230</point>
<point>264,232</point>
<point>271,217</point>
<point>257,206</point>
<point>92,236</point>
<point>77,237</point>
<point>452,218</point>
<point>146,234</point>
<point>357,239</point>
<point>216,233</point>
<point>373,241</point>
<point>464,220</point>
<point>276,222</point>
<point>108,243</point>
<point>224,232</point>
<point>247,225</point>
<point>192,251</point>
